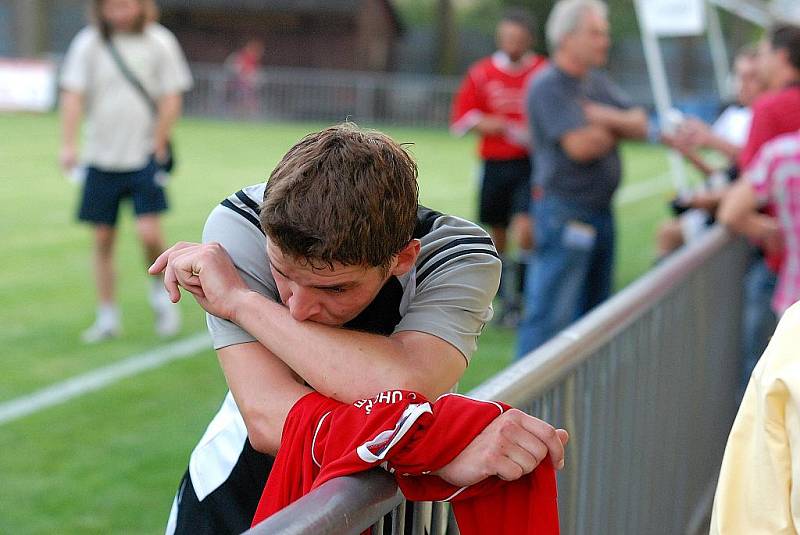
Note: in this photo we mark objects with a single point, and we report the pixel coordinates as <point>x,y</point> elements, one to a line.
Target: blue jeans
<point>758,318</point>
<point>571,271</point>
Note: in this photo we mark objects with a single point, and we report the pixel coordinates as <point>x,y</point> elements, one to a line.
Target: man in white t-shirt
<point>726,136</point>
<point>125,76</point>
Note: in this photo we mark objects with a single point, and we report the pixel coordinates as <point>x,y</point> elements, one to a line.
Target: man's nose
<point>302,304</point>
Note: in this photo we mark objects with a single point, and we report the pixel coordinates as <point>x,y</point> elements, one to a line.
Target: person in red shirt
<point>778,111</point>
<point>245,65</point>
<point>775,113</point>
<point>490,102</point>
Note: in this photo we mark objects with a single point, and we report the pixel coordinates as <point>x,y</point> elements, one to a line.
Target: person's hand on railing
<point>509,447</point>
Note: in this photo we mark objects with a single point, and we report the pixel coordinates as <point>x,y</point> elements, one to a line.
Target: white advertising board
<point>27,85</point>
<point>674,17</point>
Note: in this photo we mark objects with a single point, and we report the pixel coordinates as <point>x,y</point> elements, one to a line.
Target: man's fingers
<point>171,284</point>
<point>507,469</point>
<point>160,263</point>
<point>547,434</point>
<point>177,257</point>
<point>563,436</point>
<point>522,446</point>
<point>164,258</point>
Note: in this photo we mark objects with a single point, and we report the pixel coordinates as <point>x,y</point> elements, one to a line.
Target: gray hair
<point>565,17</point>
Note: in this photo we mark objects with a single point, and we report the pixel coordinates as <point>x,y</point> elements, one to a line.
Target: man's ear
<point>406,258</point>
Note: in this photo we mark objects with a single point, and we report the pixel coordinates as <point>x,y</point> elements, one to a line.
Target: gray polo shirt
<point>554,109</point>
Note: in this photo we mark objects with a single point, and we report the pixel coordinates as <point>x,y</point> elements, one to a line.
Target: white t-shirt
<point>733,125</point>
<point>120,125</point>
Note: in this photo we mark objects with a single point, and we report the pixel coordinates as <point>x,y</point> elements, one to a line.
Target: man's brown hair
<point>149,14</point>
<point>342,195</point>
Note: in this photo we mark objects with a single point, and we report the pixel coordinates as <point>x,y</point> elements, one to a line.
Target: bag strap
<point>128,74</point>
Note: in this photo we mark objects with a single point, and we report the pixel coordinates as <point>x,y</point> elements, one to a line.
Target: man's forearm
<point>169,110</point>
<point>629,124</point>
<point>728,149</point>
<point>71,112</point>
<point>588,143</point>
<point>339,363</point>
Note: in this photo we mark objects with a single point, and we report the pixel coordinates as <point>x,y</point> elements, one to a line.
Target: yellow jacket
<point>759,484</point>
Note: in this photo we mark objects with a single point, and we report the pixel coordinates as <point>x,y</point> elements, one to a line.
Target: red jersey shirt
<point>494,86</point>
<point>774,114</point>
<point>323,439</point>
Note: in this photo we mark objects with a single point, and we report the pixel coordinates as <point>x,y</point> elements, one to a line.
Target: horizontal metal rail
<point>645,384</point>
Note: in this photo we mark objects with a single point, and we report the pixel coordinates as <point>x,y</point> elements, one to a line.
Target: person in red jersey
<point>778,111</point>
<point>490,102</point>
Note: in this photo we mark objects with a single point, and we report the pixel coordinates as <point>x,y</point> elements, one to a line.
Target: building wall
<point>331,41</point>
<point>376,37</point>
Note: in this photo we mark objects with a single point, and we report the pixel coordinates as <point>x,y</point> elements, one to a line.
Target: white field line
<point>639,191</point>
<point>100,378</point>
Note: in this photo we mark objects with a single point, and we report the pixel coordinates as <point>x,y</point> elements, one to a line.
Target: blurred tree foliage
<point>443,16</point>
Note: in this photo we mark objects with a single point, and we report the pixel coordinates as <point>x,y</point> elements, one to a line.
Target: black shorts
<point>104,190</point>
<point>505,190</point>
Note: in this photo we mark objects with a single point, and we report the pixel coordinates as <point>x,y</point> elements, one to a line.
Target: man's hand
<point>509,447</point>
<point>694,133</point>
<point>160,152</point>
<point>491,125</point>
<point>68,157</point>
<point>204,270</point>
<point>598,114</point>
<point>771,234</point>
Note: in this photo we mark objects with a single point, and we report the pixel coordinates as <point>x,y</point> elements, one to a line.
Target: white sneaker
<point>101,331</point>
<point>168,315</point>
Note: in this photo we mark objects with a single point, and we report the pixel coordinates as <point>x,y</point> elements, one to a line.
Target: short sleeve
<point>76,66</point>
<point>246,246</point>
<point>761,130</point>
<point>174,74</point>
<point>614,94</point>
<point>456,280</point>
<point>467,106</point>
<point>553,109</point>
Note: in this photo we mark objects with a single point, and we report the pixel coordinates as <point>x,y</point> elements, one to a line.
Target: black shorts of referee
<point>505,190</point>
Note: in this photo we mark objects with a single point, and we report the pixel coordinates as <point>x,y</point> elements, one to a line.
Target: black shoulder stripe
<point>250,203</point>
<point>425,220</point>
<point>250,217</point>
<point>449,257</point>
<point>455,243</point>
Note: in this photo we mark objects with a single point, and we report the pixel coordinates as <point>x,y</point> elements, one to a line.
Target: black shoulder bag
<point>168,164</point>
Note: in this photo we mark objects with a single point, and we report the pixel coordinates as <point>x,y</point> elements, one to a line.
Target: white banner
<point>787,10</point>
<point>674,17</point>
<point>27,85</point>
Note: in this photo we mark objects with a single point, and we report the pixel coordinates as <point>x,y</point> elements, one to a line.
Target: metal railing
<point>295,94</point>
<point>646,386</point>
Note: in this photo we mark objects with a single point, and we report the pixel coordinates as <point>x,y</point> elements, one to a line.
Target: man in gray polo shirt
<point>330,275</point>
<point>577,118</point>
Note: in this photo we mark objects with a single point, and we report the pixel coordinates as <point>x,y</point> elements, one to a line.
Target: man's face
<point>122,15</point>
<point>327,296</point>
<point>590,41</point>
<point>513,39</point>
<point>748,80</point>
<point>768,64</point>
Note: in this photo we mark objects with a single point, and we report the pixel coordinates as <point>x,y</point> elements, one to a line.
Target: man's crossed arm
<point>265,376</point>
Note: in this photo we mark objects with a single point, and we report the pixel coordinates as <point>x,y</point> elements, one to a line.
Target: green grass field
<point>109,462</point>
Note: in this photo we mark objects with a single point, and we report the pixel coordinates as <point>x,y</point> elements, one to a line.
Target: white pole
<point>719,54</point>
<point>660,87</point>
